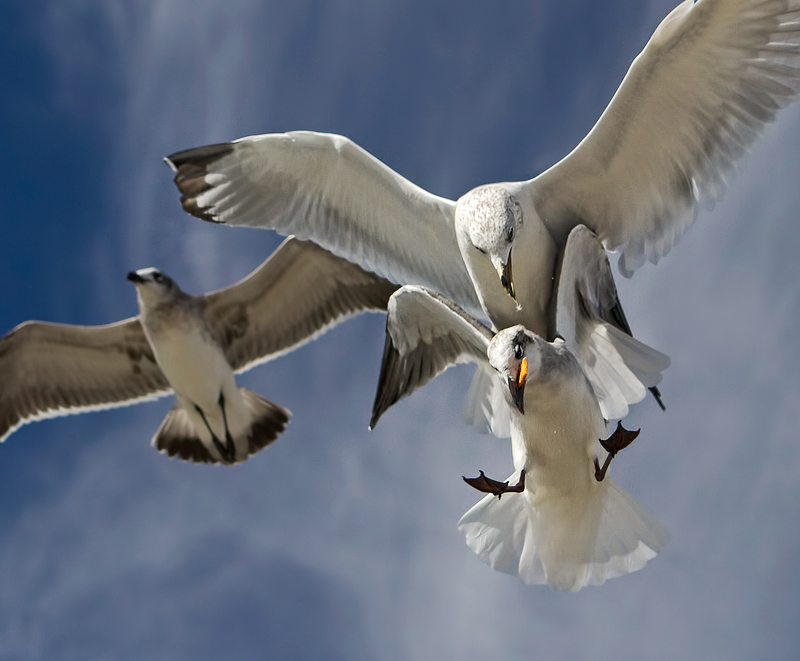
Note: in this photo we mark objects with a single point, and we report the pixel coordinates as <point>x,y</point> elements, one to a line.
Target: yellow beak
<point>517,386</point>
<point>506,279</point>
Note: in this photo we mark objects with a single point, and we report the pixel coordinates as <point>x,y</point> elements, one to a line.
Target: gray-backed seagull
<point>191,345</point>
<point>558,519</point>
<point>712,75</point>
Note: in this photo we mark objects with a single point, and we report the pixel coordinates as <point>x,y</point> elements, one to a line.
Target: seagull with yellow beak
<point>559,519</point>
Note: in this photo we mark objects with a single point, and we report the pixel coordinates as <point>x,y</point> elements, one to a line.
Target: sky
<point>336,542</point>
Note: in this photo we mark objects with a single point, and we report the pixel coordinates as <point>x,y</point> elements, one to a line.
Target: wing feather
<point>325,188</point>
<point>425,334</point>
<point>299,292</point>
<point>590,318</point>
<point>49,370</point>
<point>711,77</point>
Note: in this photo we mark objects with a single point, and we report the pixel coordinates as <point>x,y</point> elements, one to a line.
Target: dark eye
<point>518,351</point>
<point>510,234</point>
<point>158,277</point>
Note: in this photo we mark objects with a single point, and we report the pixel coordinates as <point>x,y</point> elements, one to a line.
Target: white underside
<point>199,373</point>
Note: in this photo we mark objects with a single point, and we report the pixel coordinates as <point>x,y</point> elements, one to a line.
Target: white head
<point>516,353</point>
<point>492,217</point>
<point>153,286</point>
<point>521,357</point>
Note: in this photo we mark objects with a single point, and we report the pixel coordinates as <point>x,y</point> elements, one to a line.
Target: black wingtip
<point>199,157</point>
<point>377,412</point>
<point>657,395</point>
<point>384,397</point>
<point>190,167</point>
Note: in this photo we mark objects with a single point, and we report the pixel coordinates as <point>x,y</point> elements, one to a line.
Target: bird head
<point>515,354</point>
<point>152,285</point>
<point>494,219</point>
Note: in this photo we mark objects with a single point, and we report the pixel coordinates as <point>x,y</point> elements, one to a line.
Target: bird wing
<point>325,188</point>
<point>693,102</point>
<point>299,292</point>
<point>49,370</point>
<point>425,334</point>
<point>589,316</point>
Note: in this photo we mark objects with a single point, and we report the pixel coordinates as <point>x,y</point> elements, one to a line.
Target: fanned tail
<point>268,420</point>
<point>178,436</point>
<point>562,543</point>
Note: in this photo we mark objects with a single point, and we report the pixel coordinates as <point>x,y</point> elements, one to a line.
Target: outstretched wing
<point>49,370</point>
<point>425,334</point>
<point>299,292</point>
<point>695,99</point>
<point>325,188</point>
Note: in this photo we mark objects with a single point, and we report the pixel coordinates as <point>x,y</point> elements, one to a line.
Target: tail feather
<point>268,420</point>
<point>485,407</point>
<point>178,436</point>
<point>564,544</point>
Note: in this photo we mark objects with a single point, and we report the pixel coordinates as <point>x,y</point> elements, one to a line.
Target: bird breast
<point>195,366</point>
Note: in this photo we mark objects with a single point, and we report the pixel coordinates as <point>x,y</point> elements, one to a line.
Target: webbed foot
<point>619,440</point>
<point>494,487</point>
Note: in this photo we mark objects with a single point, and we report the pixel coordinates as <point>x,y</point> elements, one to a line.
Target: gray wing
<point>299,292</point>
<point>711,77</point>
<point>325,188</point>
<point>425,334</point>
<point>49,370</point>
<point>589,316</point>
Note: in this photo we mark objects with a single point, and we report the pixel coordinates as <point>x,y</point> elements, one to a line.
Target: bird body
<point>565,523</point>
<point>566,528</point>
<point>187,352</point>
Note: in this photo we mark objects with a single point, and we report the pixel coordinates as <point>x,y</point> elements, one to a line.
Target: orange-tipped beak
<point>517,386</point>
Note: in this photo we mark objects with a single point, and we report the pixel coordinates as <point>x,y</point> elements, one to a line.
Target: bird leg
<point>223,451</point>
<point>494,487</point>
<point>619,440</point>
<point>228,437</point>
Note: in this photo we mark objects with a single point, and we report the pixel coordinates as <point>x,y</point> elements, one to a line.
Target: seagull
<point>713,74</point>
<point>189,345</point>
<point>558,519</point>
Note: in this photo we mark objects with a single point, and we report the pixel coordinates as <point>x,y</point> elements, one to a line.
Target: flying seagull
<point>696,98</point>
<point>558,519</point>
<point>190,345</point>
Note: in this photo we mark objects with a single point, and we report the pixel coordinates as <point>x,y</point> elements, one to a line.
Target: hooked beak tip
<point>506,279</point>
<point>518,396</point>
<point>508,285</point>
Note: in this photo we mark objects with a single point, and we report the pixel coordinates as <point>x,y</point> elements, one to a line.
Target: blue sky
<point>336,542</point>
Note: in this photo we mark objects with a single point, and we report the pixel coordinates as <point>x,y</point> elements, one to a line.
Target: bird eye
<point>480,250</point>
<point>158,277</point>
<point>518,351</point>
<point>510,234</point>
